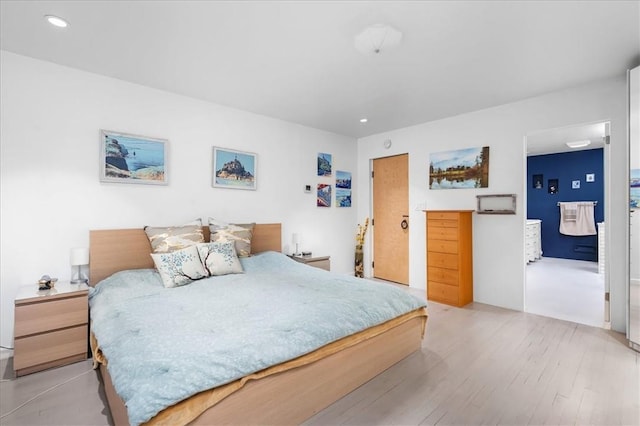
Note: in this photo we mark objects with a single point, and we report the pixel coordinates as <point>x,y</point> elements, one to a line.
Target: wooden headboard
<point>113,250</point>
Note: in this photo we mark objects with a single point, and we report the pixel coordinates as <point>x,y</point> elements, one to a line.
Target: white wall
<point>499,267</point>
<point>51,195</point>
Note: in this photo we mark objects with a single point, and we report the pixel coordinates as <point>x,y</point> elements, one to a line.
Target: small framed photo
<point>552,186</point>
<point>537,182</point>
<point>324,164</point>
<point>234,169</point>
<point>590,177</point>
<point>343,197</point>
<point>126,158</point>
<point>323,198</point>
<point>575,184</point>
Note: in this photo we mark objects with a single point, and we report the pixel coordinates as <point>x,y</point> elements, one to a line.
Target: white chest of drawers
<point>533,240</point>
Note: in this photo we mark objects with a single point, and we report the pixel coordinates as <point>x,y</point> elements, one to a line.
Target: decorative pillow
<point>179,267</point>
<point>240,234</point>
<point>172,238</point>
<point>220,258</point>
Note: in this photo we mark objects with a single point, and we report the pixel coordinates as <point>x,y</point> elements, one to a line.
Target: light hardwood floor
<point>478,365</point>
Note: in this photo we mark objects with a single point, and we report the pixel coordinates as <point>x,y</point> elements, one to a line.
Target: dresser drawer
<point>442,246</point>
<point>442,293</point>
<point>436,215</point>
<point>48,315</point>
<point>437,233</point>
<point>442,260</point>
<point>443,275</point>
<point>45,348</point>
<point>443,223</point>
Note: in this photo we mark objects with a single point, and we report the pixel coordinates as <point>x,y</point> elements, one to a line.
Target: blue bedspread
<point>166,344</point>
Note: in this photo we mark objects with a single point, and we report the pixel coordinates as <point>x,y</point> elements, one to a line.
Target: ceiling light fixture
<point>56,21</point>
<point>579,144</point>
<point>373,39</point>
<point>363,120</point>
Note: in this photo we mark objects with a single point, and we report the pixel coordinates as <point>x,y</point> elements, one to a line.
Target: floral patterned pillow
<point>180,267</point>
<point>240,234</point>
<point>220,258</point>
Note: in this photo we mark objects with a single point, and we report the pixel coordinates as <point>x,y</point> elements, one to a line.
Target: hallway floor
<point>566,289</point>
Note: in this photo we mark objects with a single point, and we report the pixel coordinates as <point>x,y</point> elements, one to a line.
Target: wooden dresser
<point>450,256</point>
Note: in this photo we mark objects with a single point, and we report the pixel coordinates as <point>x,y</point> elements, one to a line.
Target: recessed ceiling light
<point>363,120</point>
<point>579,144</point>
<point>56,21</point>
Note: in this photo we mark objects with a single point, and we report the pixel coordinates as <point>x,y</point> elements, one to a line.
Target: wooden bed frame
<point>287,397</point>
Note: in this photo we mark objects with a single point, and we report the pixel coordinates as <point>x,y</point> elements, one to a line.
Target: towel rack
<point>595,203</point>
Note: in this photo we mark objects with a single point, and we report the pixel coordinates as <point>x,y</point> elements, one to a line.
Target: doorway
<point>566,278</point>
<point>390,187</point>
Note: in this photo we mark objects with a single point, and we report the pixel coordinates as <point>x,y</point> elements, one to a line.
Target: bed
<point>287,392</point>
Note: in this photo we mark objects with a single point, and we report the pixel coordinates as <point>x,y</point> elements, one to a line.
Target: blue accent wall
<point>565,167</point>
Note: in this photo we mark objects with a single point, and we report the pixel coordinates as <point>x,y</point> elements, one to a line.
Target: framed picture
<point>552,186</point>
<point>343,179</point>
<point>234,169</point>
<point>463,168</point>
<point>324,164</point>
<point>324,195</point>
<point>343,197</point>
<point>126,158</point>
<point>537,182</point>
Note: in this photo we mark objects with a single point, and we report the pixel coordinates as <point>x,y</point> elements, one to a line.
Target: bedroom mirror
<point>633,319</point>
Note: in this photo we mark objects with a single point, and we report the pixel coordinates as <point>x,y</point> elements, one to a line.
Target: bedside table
<point>51,327</point>
<point>322,262</point>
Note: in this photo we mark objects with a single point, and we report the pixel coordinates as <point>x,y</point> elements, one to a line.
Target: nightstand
<point>322,262</point>
<point>51,327</point>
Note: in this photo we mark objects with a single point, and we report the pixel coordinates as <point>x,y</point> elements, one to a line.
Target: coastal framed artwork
<point>234,169</point>
<point>343,179</point>
<point>126,158</point>
<point>324,164</point>
<point>343,197</point>
<point>463,168</point>
<point>343,189</point>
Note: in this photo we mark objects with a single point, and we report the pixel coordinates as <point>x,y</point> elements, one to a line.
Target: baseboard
<point>5,353</point>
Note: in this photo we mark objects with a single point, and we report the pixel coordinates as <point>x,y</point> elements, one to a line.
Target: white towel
<point>568,212</point>
<point>577,219</point>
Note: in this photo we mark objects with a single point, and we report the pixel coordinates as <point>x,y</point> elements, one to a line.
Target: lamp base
<point>79,281</point>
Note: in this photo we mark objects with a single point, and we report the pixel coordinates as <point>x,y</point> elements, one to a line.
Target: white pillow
<point>220,258</point>
<point>179,267</point>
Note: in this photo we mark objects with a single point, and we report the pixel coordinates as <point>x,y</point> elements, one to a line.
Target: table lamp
<point>79,258</point>
<point>296,240</point>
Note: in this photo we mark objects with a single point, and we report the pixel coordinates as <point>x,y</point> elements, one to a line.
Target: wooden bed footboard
<point>292,396</point>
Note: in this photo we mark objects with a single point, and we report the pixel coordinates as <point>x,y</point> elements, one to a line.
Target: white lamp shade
<point>79,256</point>
<point>295,238</point>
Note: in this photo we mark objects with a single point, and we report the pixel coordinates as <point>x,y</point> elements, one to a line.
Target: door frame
<point>607,212</point>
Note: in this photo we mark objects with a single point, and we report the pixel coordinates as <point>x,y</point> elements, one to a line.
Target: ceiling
<point>296,60</point>
<point>552,141</point>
